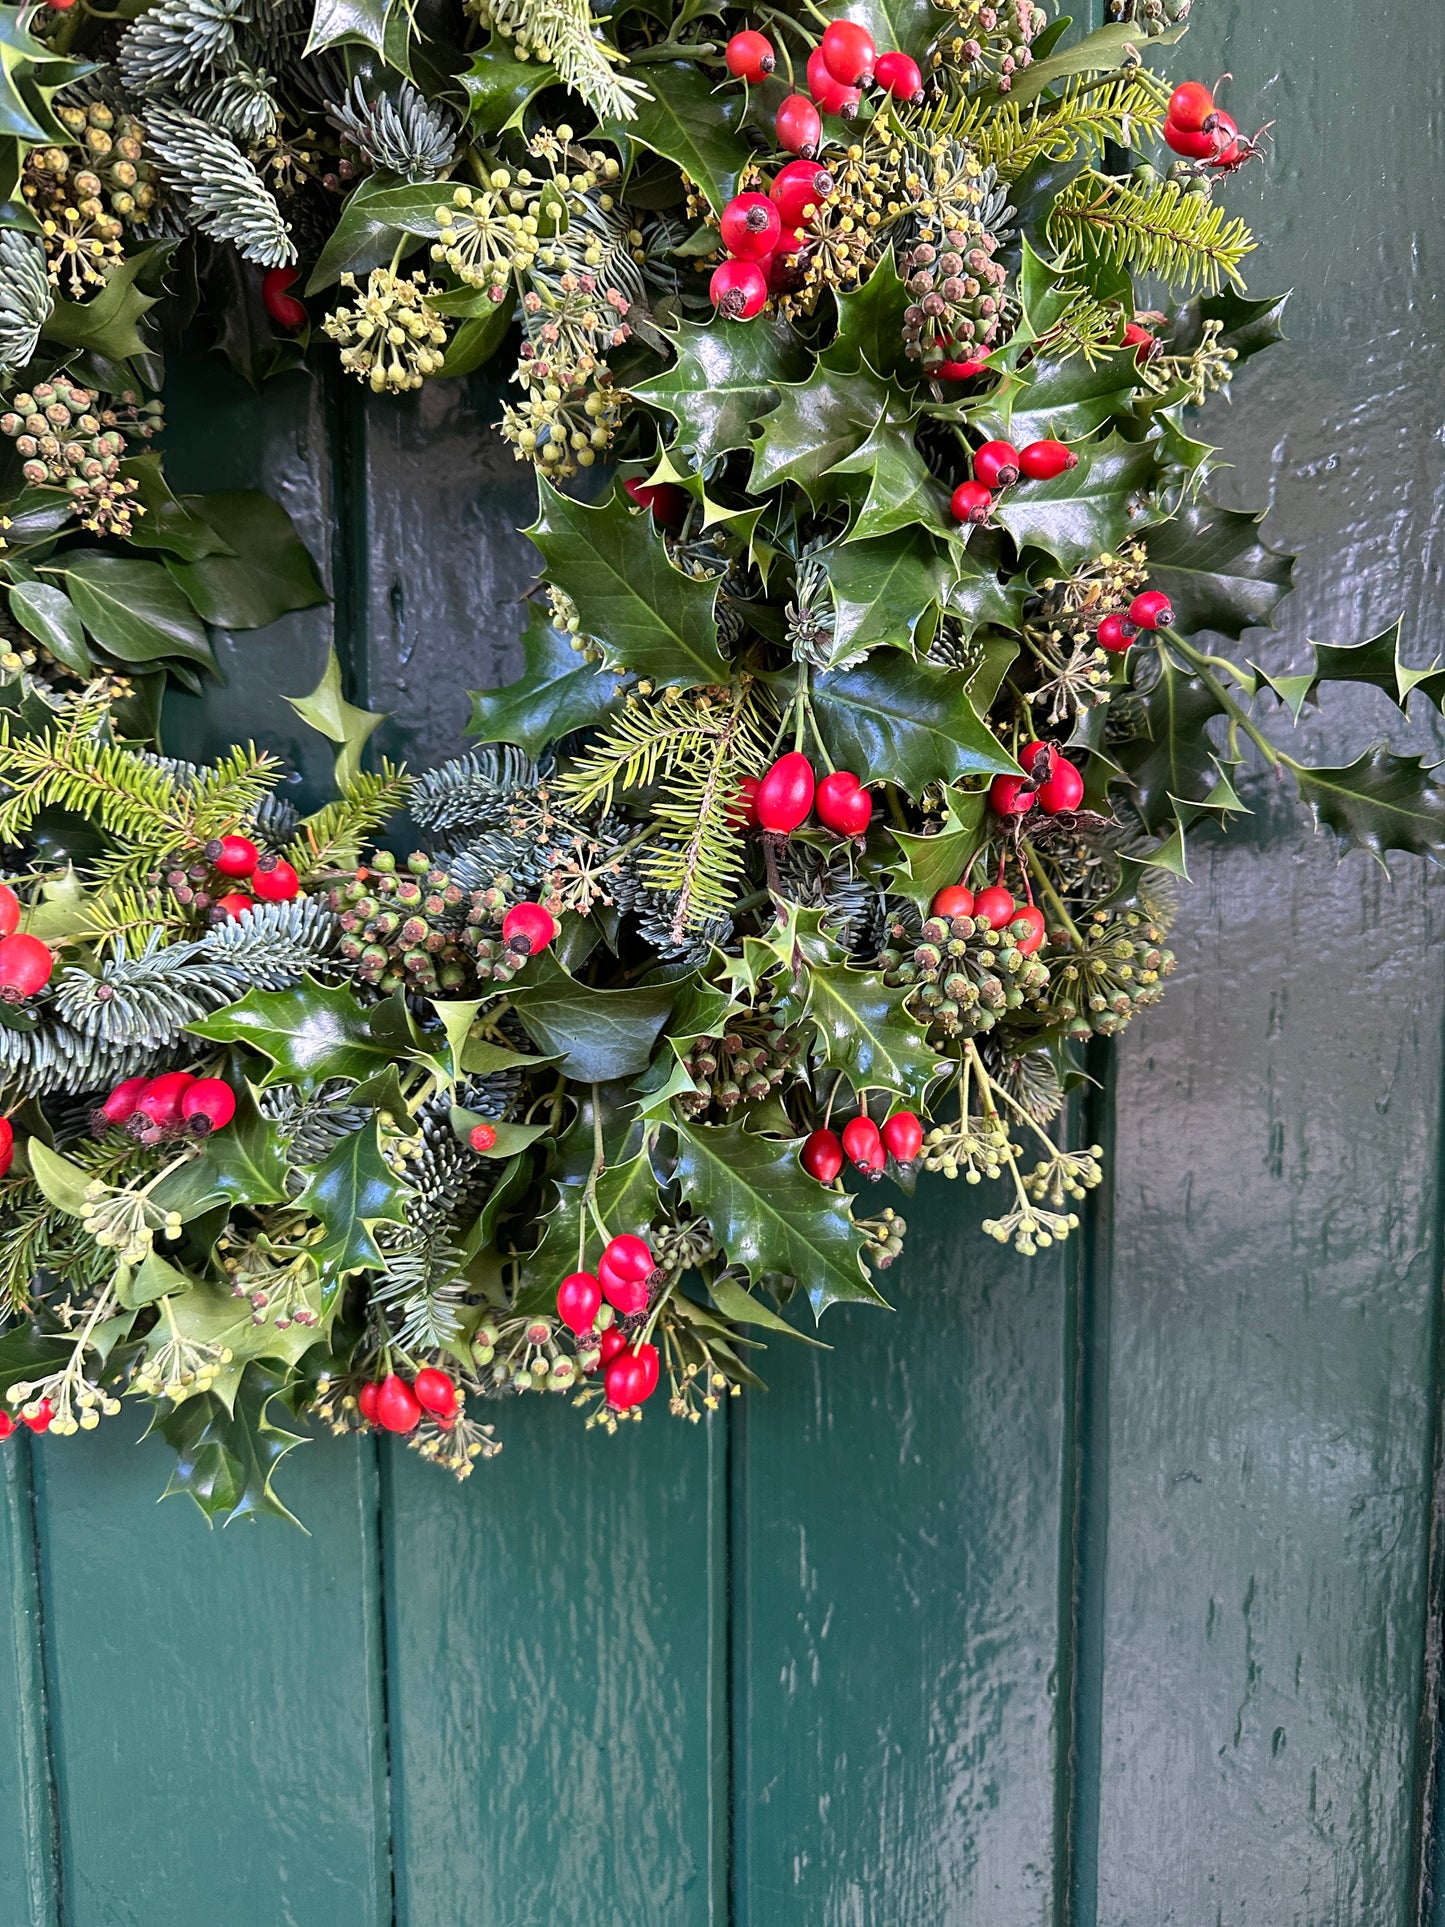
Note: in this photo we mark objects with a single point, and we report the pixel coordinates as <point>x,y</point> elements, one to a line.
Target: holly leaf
<point>930,863</point>
<point>883,589</point>
<point>818,423</point>
<point>244,1164</point>
<point>1379,802</point>
<point>268,573</point>
<point>909,25</point>
<point>870,321</point>
<point>1216,572</point>
<point>769,1216</point>
<point>27,1353</point>
<point>1246,326</point>
<point>1174,758</point>
<point>352,1189</point>
<point>905,722</point>
<point>226,1459</point>
<point>625,1195</point>
<point>902,490</point>
<point>1098,52</point>
<point>1375,661</point>
<point>595,1035</point>
<point>866,1033</point>
<point>689,124</point>
<point>725,379</point>
<point>557,691</point>
<point>327,711</point>
<point>648,615</point>
<point>1085,511</point>
<point>1058,400</point>
<point>310,1032</point>
<point>132,609</point>
<point>107,326</point>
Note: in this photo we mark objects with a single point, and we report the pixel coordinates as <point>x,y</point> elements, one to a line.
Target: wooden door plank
<point>556,1649</point>
<point>897,1543</point>
<point>218,1735</point>
<point>28,1839</point>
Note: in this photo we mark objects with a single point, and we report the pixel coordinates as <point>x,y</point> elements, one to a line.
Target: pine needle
<point>1012,139</point>
<point>1177,237</point>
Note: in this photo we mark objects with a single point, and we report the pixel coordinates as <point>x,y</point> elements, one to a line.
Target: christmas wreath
<point>843,799</point>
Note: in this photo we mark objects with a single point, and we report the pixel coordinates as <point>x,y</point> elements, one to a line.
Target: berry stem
<point>1199,662</point>
<point>817,736</point>
<point>800,703</point>
<point>674,50</point>
<point>1050,894</point>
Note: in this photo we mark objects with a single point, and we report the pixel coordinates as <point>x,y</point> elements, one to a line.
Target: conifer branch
<point>1163,231</point>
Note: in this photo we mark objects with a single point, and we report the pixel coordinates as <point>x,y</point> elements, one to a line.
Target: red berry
<point>1141,341</point>
<point>579,1299</point>
<point>39,1420</point>
<point>994,906</point>
<point>208,1105</point>
<point>25,967</point>
<point>786,264</point>
<point>902,1136</point>
<point>1193,143</point>
<point>1233,152</point>
<point>821,1156</point>
<point>7,1424</point>
<point>9,910</point>
<point>161,1100</point>
<point>799,190</point>
<point>527,928</point>
<point>751,227</point>
<point>7,1145</point>
<point>232,905</point>
<point>996,464</point>
<point>960,370</point>
<point>901,76</point>
<point>274,880</point>
<point>482,1137</point>
<point>863,1143</point>
<point>435,1392</point>
<point>627,1296</point>
<point>1151,610</point>
<point>122,1101</point>
<point>831,94</point>
<point>367,1400</point>
<point>284,309</point>
<point>1010,795</point>
<point>667,501</point>
<point>750,56</point>
<point>397,1405</point>
<point>785,794</point>
<point>1114,634</point>
<point>799,127</point>
<point>738,289</point>
<point>971,502</point>
<point>849,53</point>
<point>1062,789</point>
<point>1042,461</point>
<point>233,856</point>
<point>631,1377</point>
<point>954,901</point>
<point>743,810</point>
<point>612,1341</point>
<point>843,804</point>
<point>1191,106</point>
<point>631,1257</point>
<point>1030,914</point>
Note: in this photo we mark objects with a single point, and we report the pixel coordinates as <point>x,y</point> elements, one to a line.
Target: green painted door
<point>1104,1590</point>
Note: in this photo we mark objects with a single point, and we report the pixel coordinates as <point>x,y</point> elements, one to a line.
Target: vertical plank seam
<point>384,1713</point>
<point>720,1667</point>
<point>45,1869</point>
<point>346,422</point>
<point>739,1646</point>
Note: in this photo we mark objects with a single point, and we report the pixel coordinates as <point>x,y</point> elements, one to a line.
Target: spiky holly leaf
<point>108,325</point>
<point>310,1033</point>
<point>352,1189</point>
<point>883,589</point>
<point>1215,570</point>
<point>244,1164</point>
<point>687,122</point>
<point>870,322</point>
<point>930,863</point>
<point>982,596</point>
<point>1379,802</point>
<point>1375,661</point>
<point>648,616</point>
<point>595,1035</point>
<point>498,86</point>
<point>725,379</point>
<point>27,1353</point>
<point>1085,511</point>
<point>865,1032</point>
<point>1058,400</point>
<point>908,25</point>
<point>1246,326</point>
<point>1174,758</point>
<point>226,1459</point>
<point>819,422</point>
<point>1098,52</point>
<point>769,1216</point>
<point>328,712</point>
<point>899,721</point>
<point>558,691</point>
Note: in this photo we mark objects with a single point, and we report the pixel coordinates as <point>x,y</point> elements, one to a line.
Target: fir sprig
<point>1162,230</point>
<point>1012,139</point>
<point>331,838</point>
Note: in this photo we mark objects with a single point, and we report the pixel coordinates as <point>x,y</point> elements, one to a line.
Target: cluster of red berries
<point>766,234</point>
<point>38,1420</point>
<point>866,1145</point>
<point>780,801</point>
<point>1053,782</point>
<point>173,1105</point>
<point>25,962</point>
<point>997,908</point>
<point>998,465</point>
<point>272,878</point>
<point>394,1406</point>
<point>1200,131</point>
<point>1150,609</point>
<point>625,1276</point>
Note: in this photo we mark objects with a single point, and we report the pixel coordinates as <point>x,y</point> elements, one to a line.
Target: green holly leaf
<point>1057,400</point>
<point>1085,511</point>
<point>883,589</point>
<point>870,322</point>
<point>310,1032</point>
<point>511,1138</point>
<point>769,1216</point>
<point>726,377</point>
<point>1246,326</point>
<point>1173,758</point>
<point>132,609</point>
<point>648,615</point>
<point>211,1314</point>
<point>905,722</point>
<point>931,863</point>
<point>108,325</point>
<point>327,711</point>
<point>1216,572</point>
<point>819,422</point>
<point>267,574</point>
<point>595,1035</point>
<point>226,1459</point>
<point>557,691</point>
<point>1379,802</point>
<point>865,1032</point>
<point>1375,661</point>
<point>625,1194</point>
<point>243,1164</point>
<point>498,87</point>
<point>902,490</point>
<point>352,1189</point>
<point>982,596</point>
<point>688,123</point>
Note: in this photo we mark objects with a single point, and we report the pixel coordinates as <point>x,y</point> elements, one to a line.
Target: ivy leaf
<point>377,217</point>
<point>1246,326</point>
<point>1174,759</point>
<point>737,1303</point>
<point>883,589</point>
<point>226,1460</point>
<point>769,1216</point>
<point>48,614</point>
<point>352,1189</point>
<point>327,711</point>
<point>1085,511</point>
<point>596,1035</point>
<point>556,692</point>
<point>1216,572</point>
<point>168,524</point>
<point>1379,802</point>
<point>905,722</point>
<point>866,1033</point>
<point>817,424</point>
<point>726,378</point>
<point>132,609</point>
<point>649,616</point>
<point>310,1032</point>
<point>902,492</point>
<point>689,124</point>
<point>268,572</point>
<point>62,1183</point>
<point>498,87</point>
